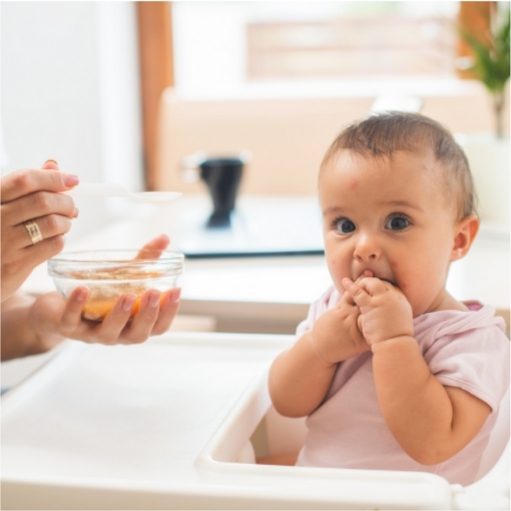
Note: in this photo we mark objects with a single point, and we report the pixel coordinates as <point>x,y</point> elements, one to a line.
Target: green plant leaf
<point>491,59</point>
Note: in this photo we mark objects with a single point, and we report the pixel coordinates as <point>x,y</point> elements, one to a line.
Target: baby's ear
<point>464,235</point>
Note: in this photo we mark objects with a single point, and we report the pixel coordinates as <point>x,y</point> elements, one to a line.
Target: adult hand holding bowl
<point>117,295</point>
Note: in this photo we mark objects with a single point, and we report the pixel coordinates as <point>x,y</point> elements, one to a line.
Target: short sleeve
<point>316,309</point>
<point>476,361</point>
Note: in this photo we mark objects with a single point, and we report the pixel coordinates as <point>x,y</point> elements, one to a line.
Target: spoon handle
<point>90,189</point>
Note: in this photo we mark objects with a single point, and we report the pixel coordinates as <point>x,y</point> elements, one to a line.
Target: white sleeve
<point>316,309</point>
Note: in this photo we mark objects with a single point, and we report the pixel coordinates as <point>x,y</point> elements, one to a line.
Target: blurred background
<point>127,91</point>
<point>139,93</point>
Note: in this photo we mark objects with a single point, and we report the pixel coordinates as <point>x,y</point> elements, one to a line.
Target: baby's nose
<point>367,248</point>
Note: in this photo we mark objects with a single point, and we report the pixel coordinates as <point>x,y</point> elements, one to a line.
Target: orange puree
<point>102,298</point>
<point>97,309</point>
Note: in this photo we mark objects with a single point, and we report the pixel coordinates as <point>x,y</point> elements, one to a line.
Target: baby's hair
<point>380,135</point>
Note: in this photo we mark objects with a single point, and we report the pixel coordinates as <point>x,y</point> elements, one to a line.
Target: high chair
<point>176,423</point>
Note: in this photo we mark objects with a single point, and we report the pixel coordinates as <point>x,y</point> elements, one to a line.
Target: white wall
<point>69,90</point>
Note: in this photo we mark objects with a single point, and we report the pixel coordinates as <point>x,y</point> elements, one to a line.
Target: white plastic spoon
<point>88,189</point>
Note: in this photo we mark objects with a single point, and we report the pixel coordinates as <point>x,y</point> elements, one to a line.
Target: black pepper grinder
<point>222,176</point>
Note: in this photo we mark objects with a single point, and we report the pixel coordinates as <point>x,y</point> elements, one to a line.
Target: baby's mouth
<point>364,274</point>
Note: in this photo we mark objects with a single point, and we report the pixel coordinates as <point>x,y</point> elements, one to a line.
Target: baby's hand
<point>385,313</point>
<point>336,335</point>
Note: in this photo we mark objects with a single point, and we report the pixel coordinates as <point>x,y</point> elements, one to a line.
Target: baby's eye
<point>344,225</point>
<point>397,222</point>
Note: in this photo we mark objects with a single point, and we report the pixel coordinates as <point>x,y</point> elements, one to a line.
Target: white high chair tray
<point>137,427</point>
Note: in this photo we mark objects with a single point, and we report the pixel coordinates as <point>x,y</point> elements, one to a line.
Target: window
<point>226,45</point>
<point>361,42</point>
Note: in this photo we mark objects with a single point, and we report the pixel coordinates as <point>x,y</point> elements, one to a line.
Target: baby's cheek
<point>336,270</point>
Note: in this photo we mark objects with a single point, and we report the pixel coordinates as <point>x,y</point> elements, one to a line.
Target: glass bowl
<point>108,274</point>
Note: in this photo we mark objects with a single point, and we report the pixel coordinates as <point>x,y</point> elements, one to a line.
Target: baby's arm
<point>301,376</point>
<point>299,379</point>
<point>431,422</point>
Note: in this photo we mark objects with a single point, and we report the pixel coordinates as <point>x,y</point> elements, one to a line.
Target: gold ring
<point>34,232</point>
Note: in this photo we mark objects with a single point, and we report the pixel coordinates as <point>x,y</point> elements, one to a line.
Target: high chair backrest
<point>285,138</point>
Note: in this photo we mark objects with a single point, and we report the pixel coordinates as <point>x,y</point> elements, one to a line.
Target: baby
<point>393,372</point>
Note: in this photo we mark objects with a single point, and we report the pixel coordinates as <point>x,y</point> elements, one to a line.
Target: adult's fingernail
<point>75,212</point>
<point>71,180</point>
<point>153,299</point>
<point>51,161</point>
<point>81,294</point>
<point>128,302</point>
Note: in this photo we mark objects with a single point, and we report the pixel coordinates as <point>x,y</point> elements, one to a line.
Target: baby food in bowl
<point>108,274</point>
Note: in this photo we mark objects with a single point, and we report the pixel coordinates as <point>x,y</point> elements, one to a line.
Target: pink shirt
<point>465,349</point>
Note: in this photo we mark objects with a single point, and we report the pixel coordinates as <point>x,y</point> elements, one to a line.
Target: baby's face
<point>390,216</point>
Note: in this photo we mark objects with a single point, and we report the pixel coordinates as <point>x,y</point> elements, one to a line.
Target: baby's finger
<point>360,296</point>
<point>154,248</point>
<point>360,323</point>
<point>24,182</point>
<point>374,286</point>
<point>72,315</point>
<point>169,305</point>
<point>346,299</point>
